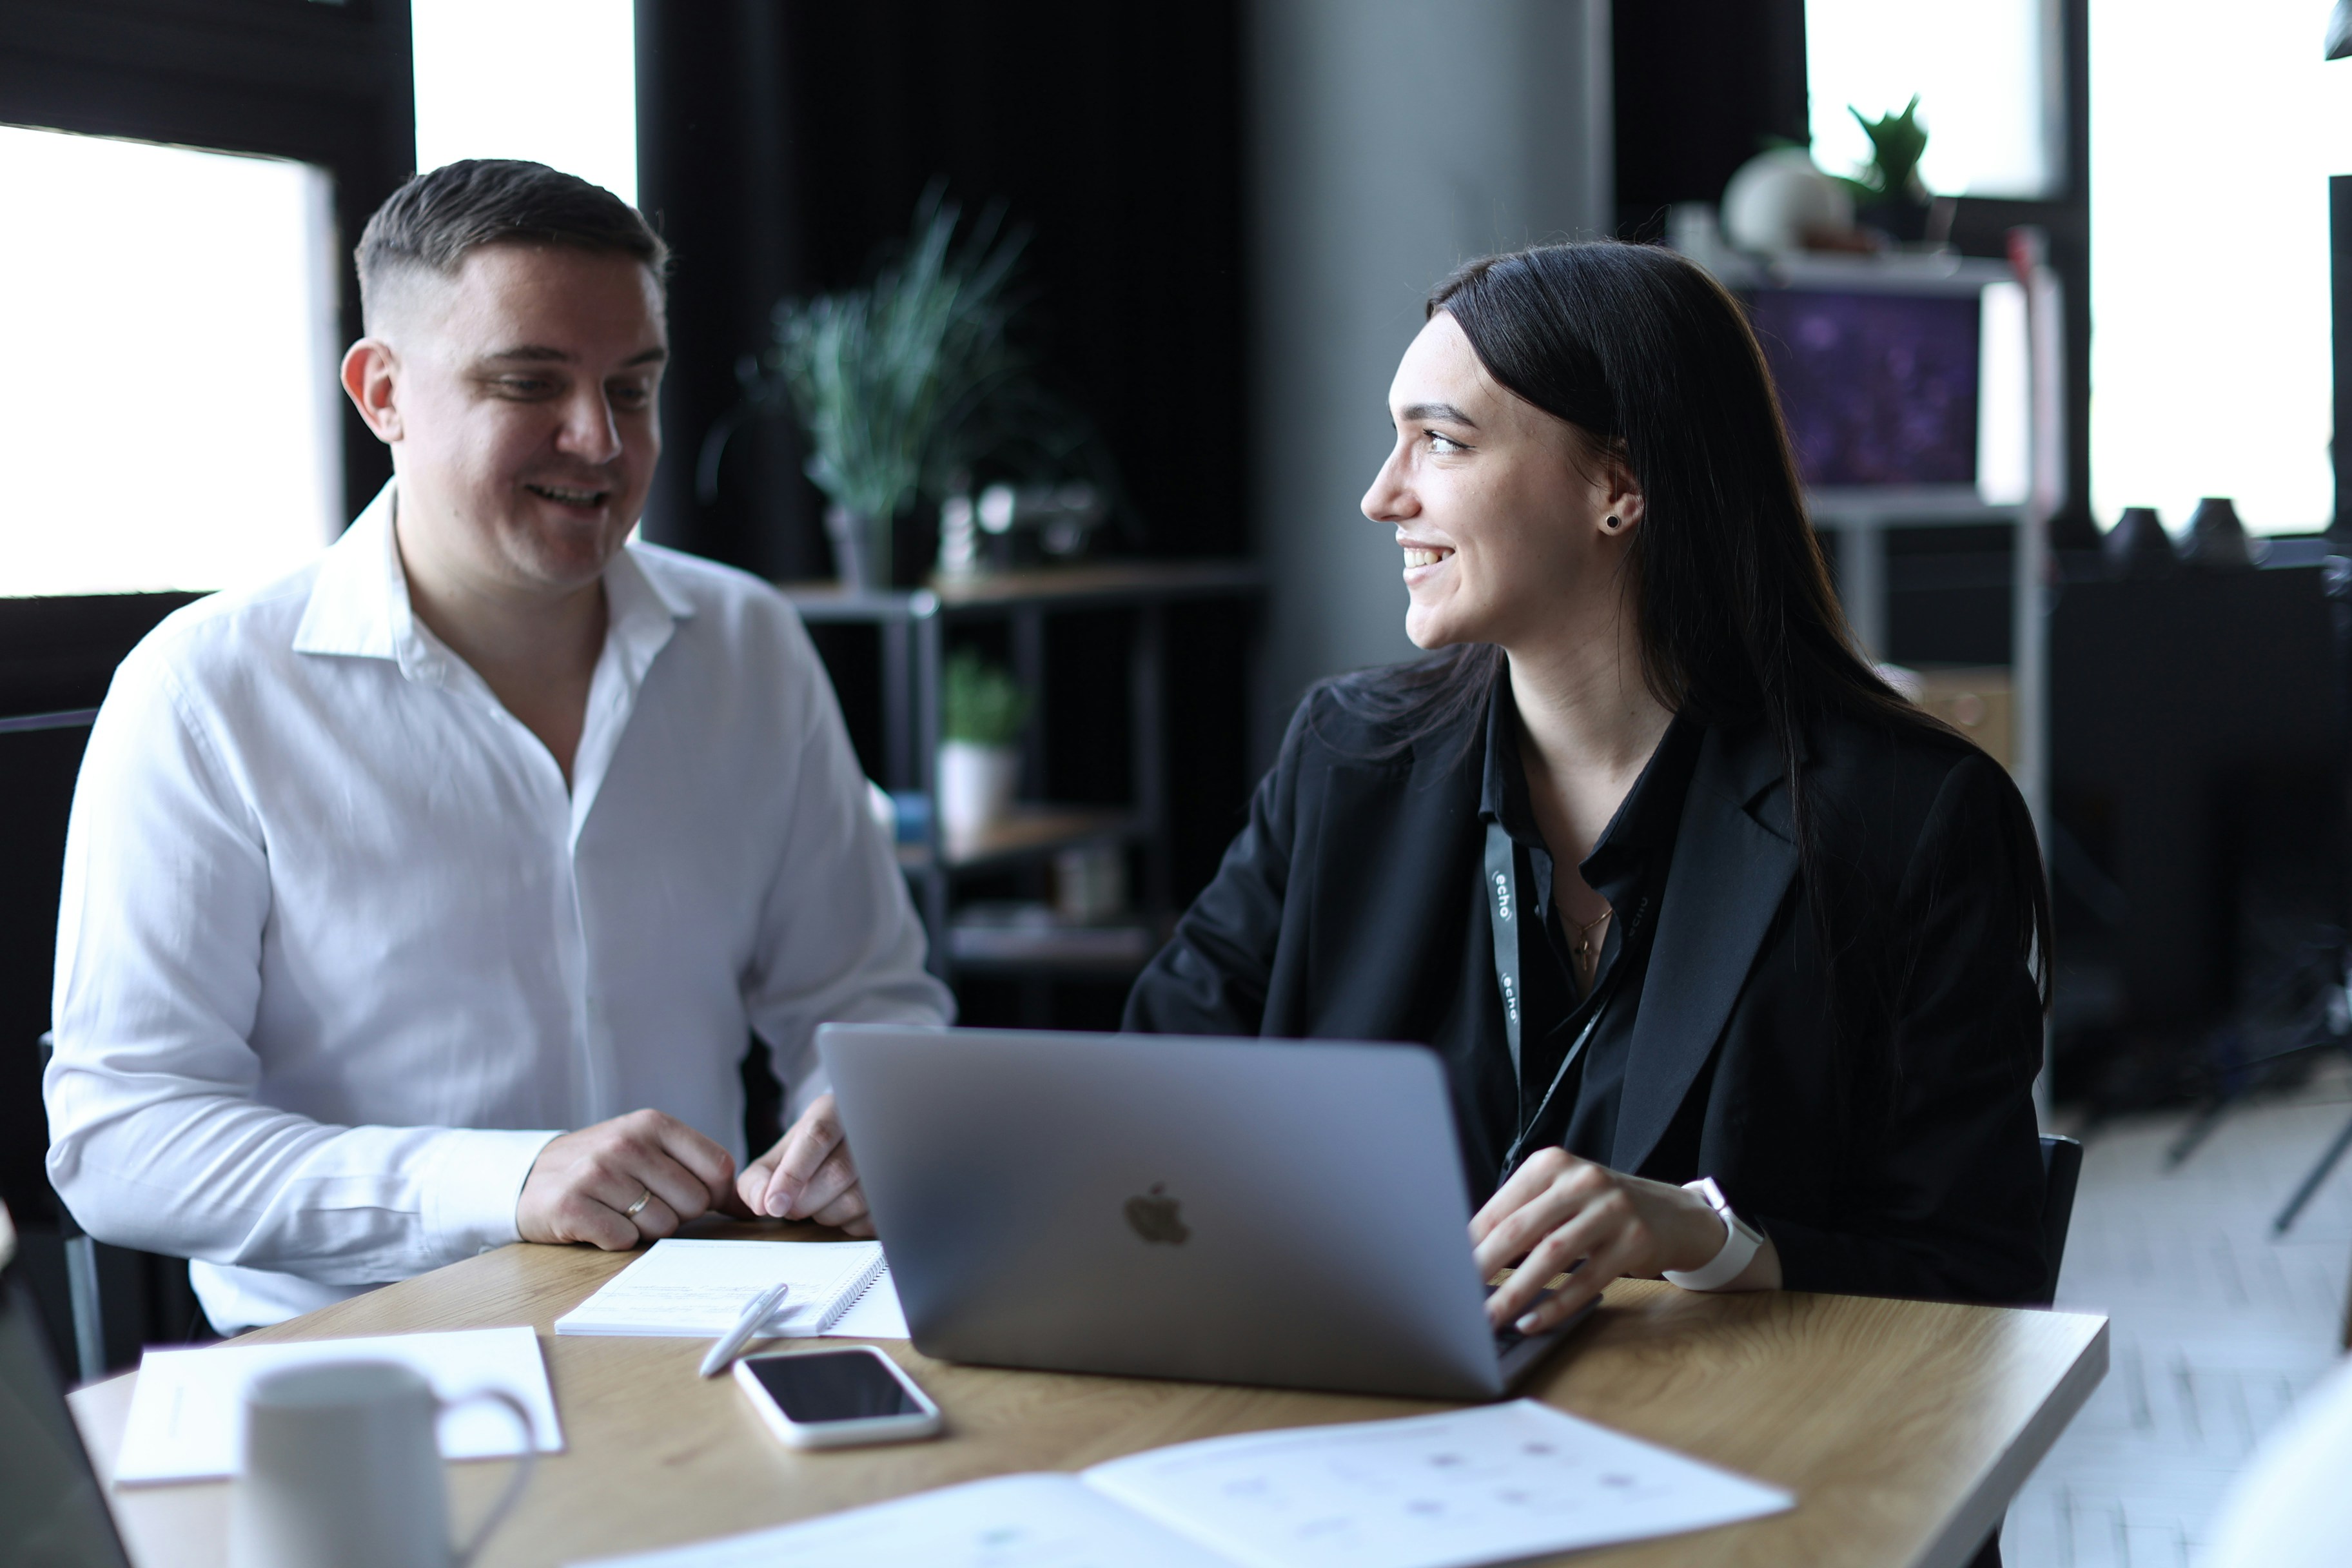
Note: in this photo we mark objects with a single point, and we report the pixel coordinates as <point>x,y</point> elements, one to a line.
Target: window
<point>2213,131</point>
<point>550,81</point>
<point>168,320</point>
<point>1985,74</point>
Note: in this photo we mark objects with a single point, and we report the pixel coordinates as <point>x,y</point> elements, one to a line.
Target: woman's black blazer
<point>1873,1114</point>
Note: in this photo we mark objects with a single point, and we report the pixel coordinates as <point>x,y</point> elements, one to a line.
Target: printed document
<point>1012,1521</point>
<point>187,1413</point>
<point>1489,1484</point>
<point>696,1289</point>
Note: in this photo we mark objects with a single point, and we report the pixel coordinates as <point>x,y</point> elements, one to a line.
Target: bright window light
<point>554,81</point>
<point>2212,135</point>
<point>1982,72</point>
<point>168,322</point>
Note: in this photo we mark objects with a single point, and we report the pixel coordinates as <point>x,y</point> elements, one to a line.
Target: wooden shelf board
<point>1103,583</point>
<point>1029,830</point>
<point>1071,968</point>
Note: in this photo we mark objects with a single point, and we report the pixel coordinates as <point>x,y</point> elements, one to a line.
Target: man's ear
<point>372,377</point>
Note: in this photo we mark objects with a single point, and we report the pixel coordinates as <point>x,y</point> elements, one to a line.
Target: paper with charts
<point>187,1410</point>
<point>1475,1485</point>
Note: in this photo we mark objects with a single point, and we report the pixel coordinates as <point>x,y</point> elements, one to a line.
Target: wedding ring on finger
<point>635,1209</point>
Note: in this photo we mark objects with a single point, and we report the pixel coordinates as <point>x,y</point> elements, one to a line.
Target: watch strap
<point>1740,1243</point>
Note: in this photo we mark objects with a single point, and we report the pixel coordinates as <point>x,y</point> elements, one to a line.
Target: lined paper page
<point>694,1288</point>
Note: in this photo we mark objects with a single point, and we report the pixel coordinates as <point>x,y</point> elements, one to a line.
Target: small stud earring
<point>1612,524</point>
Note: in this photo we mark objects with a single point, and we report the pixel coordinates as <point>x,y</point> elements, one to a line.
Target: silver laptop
<point>1286,1212</point>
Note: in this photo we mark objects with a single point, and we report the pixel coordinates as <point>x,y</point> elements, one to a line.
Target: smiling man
<point>426,898</point>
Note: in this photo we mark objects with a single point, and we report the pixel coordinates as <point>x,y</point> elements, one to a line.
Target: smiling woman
<point>1731,954</point>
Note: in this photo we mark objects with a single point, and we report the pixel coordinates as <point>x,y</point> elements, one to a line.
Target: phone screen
<point>833,1385</point>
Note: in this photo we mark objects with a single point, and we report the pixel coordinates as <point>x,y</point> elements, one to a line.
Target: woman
<point>1675,885</point>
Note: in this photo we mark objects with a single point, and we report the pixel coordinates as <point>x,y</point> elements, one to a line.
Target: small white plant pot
<point>975,787</point>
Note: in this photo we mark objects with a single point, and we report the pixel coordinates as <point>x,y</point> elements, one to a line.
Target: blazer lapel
<point>1734,860</point>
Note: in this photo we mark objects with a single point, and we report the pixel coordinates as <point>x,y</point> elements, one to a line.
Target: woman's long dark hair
<point>1653,364</point>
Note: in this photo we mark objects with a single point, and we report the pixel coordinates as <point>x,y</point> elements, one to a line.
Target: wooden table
<point>1903,1427</point>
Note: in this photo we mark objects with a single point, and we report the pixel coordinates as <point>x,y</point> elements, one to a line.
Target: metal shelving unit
<point>913,624</point>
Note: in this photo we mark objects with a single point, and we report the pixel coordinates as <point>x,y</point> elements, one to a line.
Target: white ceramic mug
<point>341,1467</point>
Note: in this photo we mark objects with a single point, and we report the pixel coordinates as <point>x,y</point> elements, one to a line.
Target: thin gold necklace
<point>1580,946</point>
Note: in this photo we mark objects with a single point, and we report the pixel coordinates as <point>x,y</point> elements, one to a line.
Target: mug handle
<point>526,1463</point>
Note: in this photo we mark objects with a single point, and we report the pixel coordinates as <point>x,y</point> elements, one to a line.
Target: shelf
<point>1029,938</point>
<point>1083,587</point>
<point>1029,831</point>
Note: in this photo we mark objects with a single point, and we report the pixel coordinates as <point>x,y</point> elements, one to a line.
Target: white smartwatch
<point>1740,1244</point>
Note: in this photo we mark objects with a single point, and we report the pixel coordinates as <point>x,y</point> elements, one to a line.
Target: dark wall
<point>782,145</point>
<point>1701,86</point>
<point>2196,766</point>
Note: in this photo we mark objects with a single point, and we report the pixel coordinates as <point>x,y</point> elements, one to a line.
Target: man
<point>484,826</point>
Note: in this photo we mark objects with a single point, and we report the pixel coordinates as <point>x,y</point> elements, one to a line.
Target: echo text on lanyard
<point>1503,909</point>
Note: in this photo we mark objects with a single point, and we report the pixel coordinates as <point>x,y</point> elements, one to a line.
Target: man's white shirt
<point>339,952</point>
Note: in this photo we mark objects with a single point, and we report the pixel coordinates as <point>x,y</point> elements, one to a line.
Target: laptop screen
<point>52,1509</point>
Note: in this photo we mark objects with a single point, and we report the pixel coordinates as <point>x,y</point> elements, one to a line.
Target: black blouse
<point>1868,1103</point>
<point>1555,1101</point>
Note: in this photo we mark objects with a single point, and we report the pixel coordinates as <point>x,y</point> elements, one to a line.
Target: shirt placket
<point>595,1079</point>
<point>608,707</point>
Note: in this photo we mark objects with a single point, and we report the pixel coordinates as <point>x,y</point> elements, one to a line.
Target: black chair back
<point>2061,1168</point>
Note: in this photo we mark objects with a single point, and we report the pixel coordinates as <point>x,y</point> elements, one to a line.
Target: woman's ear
<point>1621,497</point>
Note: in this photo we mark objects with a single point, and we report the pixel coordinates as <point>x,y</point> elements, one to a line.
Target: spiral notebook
<point>692,1289</point>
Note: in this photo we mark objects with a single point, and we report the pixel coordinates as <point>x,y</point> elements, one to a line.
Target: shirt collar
<point>360,608</point>
<point>1645,819</point>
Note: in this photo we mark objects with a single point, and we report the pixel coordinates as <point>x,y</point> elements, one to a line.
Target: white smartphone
<point>834,1398</point>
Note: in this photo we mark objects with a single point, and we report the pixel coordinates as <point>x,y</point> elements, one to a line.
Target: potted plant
<point>1890,195</point>
<point>883,377</point>
<point>983,710</point>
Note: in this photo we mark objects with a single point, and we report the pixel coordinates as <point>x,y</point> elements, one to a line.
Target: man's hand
<point>584,1183</point>
<point>807,1175</point>
<point>1558,1212</point>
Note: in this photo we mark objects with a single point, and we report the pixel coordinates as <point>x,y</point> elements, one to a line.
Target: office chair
<point>82,1274</point>
<point>2062,1170</point>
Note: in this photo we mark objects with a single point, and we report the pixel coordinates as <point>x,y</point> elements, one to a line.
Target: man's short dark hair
<point>436,219</point>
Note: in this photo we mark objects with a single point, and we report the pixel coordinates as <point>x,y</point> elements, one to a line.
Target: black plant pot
<point>2138,545</point>
<point>2217,540</point>
<point>861,550</point>
<point>1900,219</point>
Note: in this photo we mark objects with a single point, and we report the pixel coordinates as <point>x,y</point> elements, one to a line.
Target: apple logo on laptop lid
<point>1154,1216</point>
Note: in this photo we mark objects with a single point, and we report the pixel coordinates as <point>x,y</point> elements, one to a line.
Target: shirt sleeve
<point>838,938</point>
<point>157,1138</point>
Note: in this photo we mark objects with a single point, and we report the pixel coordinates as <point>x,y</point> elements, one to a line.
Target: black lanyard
<point>1503,909</point>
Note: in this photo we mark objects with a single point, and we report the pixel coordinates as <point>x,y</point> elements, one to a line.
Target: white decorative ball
<point>1779,197</point>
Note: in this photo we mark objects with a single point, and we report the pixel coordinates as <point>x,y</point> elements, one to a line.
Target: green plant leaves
<point>1898,141</point>
<point>882,377</point>
<point>981,702</point>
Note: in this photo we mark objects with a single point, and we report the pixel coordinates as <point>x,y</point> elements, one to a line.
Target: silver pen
<point>755,1316</point>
